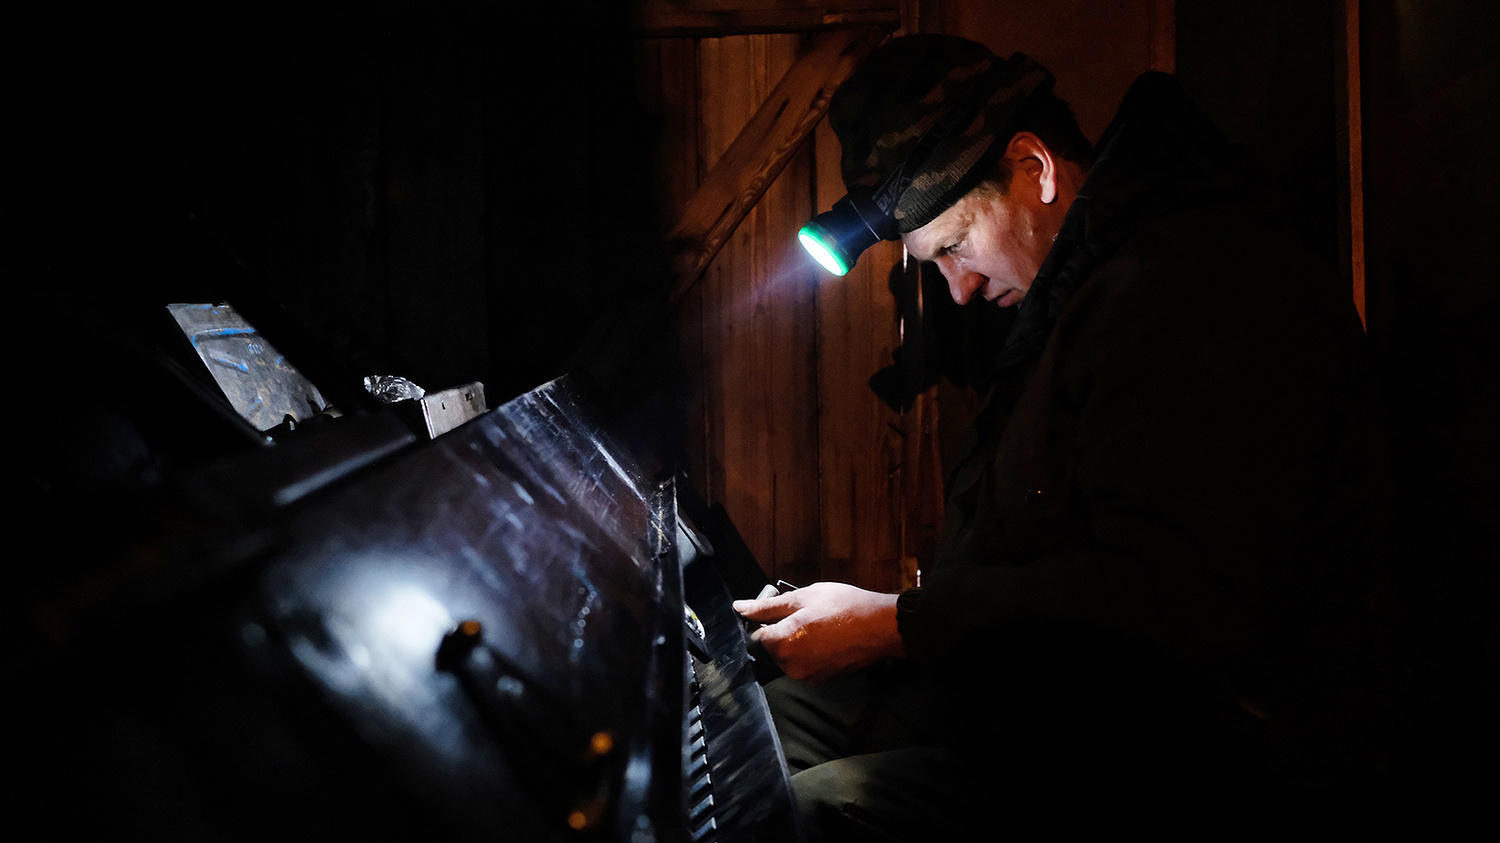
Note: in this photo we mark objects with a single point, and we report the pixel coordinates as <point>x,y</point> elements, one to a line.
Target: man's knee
<point>918,793</point>
<point>830,802</point>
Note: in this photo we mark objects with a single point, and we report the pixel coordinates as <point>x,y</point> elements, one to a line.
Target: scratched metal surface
<point>529,521</point>
<point>301,695</point>
<point>557,439</point>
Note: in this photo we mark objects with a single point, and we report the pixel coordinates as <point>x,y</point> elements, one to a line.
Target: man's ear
<point>1032,159</point>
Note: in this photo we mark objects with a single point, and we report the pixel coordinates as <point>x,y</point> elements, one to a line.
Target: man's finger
<point>766,610</point>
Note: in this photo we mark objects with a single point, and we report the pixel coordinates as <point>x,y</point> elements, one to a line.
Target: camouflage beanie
<point>904,88</point>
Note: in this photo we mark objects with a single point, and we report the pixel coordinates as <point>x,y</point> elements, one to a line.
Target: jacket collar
<point>1159,154</point>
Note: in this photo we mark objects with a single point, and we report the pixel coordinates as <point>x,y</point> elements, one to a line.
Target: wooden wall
<point>817,474</point>
<point>1094,49</point>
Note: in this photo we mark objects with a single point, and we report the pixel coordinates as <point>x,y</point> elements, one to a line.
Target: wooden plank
<point>723,108</point>
<point>1094,49</point>
<point>761,150</point>
<point>922,498</point>
<point>1161,16</point>
<point>667,79</point>
<point>921,16</point>
<point>757,335</point>
<point>713,18</point>
<point>1350,122</point>
<point>667,82</point>
<point>861,442</point>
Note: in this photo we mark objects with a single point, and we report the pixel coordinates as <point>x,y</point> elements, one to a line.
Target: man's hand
<point>825,629</point>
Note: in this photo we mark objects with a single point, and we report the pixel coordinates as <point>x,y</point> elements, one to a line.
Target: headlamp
<point>837,237</point>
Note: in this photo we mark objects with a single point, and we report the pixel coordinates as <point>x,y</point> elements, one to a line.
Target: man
<point>1153,584</point>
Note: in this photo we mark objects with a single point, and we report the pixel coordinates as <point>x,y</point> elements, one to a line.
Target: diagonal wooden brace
<point>762,150</point>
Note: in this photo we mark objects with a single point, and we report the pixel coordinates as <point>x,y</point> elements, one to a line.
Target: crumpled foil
<point>392,388</point>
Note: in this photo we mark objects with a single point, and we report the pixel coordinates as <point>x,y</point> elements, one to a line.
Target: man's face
<point>988,244</point>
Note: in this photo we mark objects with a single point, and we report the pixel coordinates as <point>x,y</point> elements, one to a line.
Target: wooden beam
<point>1351,157</point>
<point>1161,45</point>
<point>713,18</point>
<point>762,149</point>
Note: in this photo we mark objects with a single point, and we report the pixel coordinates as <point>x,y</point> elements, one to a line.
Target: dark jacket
<point>1181,455</point>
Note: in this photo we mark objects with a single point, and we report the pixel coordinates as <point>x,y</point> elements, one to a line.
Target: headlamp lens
<point>818,244</point>
<point>837,237</point>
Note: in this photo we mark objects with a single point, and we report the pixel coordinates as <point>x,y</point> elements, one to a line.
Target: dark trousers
<point>889,754</point>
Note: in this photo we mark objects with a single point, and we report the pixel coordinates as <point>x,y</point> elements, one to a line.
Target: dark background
<point>1431,178</point>
<point>1266,74</point>
<point>447,192</point>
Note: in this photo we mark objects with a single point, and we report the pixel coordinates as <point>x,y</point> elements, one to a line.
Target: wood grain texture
<point>757,326</point>
<point>922,477</point>
<point>822,480</point>
<point>745,167</point>
<point>1350,131</point>
<point>667,79</point>
<point>862,442</point>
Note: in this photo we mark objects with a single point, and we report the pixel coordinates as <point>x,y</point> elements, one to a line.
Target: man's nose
<point>962,283</point>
